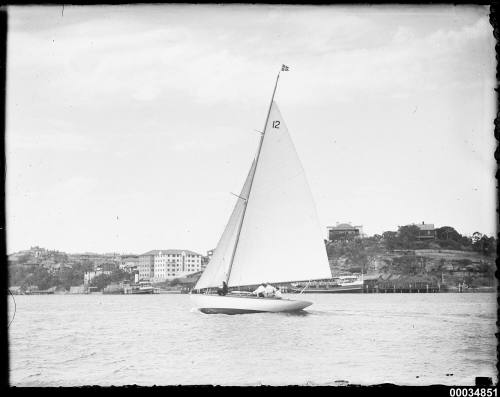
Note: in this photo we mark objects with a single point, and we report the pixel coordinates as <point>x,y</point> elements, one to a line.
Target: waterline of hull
<point>230,304</point>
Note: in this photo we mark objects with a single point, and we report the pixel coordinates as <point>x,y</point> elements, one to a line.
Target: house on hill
<point>426,231</point>
<point>344,232</point>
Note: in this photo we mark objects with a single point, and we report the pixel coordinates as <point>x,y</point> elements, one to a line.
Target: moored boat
<point>142,287</point>
<point>342,284</point>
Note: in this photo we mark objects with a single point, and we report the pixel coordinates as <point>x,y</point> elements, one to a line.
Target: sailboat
<point>273,234</point>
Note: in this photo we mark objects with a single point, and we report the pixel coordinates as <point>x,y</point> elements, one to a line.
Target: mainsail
<point>277,237</point>
<point>280,238</point>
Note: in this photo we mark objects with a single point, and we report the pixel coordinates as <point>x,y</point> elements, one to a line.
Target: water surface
<point>406,339</point>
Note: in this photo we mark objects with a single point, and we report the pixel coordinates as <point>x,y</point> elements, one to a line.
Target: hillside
<point>372,255</point>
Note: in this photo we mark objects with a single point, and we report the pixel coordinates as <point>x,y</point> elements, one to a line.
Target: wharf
<point>402,288</point>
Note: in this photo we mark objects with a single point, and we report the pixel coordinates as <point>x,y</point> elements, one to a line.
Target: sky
<point>128,127</point>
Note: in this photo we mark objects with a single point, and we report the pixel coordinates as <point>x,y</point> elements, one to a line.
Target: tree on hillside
<point>16,274</point>
<point>357,256</point>
<point>488,269</point>
<point>476,236</point>
<point>72,276</point>
<point>485,245</point>
<point>119,275</point>
<point>41,278</point>
<point>390,240</point>
<point>100,281</point>
<point>22,259</point>
<point>86,265</point>
<point>447,233</point>
<point>407,236</point>
<point>466,242</point>
<point>408,265</point>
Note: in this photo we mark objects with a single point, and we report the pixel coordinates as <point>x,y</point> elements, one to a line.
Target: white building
<point>89,276</point>
<point>344,231</point>
<point>146,265</point>
<point>170,264</point>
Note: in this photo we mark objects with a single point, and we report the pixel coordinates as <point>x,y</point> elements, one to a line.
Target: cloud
<point>136,98</point>
<point>227,52</point>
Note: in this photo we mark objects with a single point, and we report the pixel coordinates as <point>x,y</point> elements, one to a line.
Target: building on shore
<point>77,289</point>
<point>162,265</point>
<point>102,269</point>
<point>170,264</point>
<point>426,231</point>
<point>344,232</point>
<point>146,266</point>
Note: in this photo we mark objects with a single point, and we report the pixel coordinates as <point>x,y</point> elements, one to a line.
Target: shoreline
<point>487,290</point>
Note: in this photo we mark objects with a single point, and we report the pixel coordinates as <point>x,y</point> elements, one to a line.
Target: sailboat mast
<point>251,180</point>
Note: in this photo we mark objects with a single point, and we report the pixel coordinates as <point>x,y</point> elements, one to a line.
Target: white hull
<point>234,304</point>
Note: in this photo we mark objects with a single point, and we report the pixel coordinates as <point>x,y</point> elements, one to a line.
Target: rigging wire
<point>15,308</point>
<point>307,285</point>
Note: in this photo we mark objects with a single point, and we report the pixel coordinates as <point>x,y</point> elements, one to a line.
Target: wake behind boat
<point>273,233</point>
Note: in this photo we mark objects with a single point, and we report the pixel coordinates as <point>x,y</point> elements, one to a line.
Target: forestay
<point>280,238</point>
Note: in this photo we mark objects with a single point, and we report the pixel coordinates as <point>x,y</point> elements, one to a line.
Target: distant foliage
<point>408,235</point>
<point>36,275</point>
<point>484,244</point>
<point>103,280</point>
<point>355,252</point>
<point>446,238</point>
<point>72,276</point>
<point>407,265</point>
<point>448,233</point>
<point>391,240</point>
<point>393,254</point>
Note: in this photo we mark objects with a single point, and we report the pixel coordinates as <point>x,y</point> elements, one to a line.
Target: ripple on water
<point>160,340</point>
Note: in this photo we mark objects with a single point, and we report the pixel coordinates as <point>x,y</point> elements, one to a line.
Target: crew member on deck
<point>277,294</point>
<point>260,291</point>
<point>269,290</point>
<point>223,290</point>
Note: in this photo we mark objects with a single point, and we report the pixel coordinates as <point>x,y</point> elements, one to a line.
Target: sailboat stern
<point>231,304</point>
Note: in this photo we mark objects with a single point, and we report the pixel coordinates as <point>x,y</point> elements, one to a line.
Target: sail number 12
<point>276,124</point>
